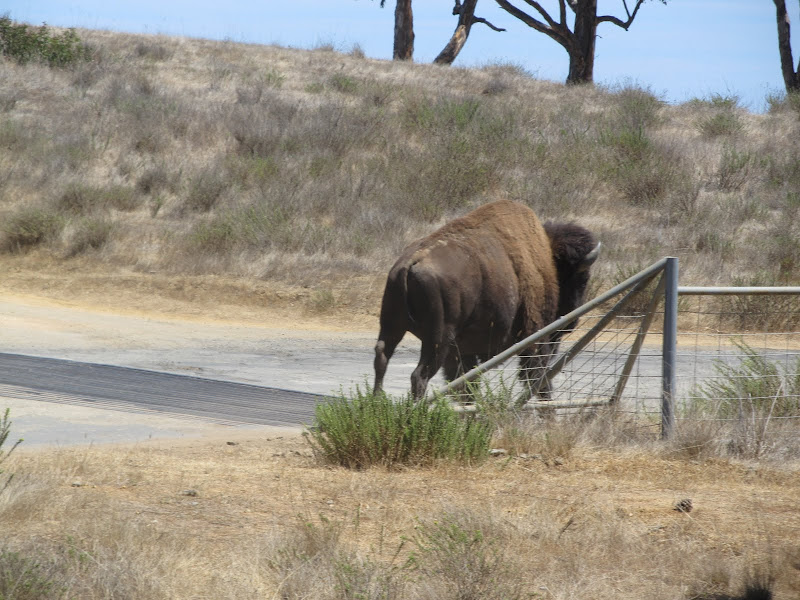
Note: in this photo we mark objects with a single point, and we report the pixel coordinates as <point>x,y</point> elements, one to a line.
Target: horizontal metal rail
<point>732,291</point>
<point>458,383</point>
<point>548,404</point>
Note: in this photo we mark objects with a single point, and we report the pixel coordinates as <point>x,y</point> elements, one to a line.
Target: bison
<point>478,285</point>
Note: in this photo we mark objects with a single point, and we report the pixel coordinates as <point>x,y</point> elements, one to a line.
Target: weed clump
<point>29,227</point>
<point>5,430</point>
<point>25,44</point>
<point>365,430</point>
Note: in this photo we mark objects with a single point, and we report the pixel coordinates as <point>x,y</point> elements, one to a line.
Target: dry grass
<point>262,162</point>
<point>260,519</point>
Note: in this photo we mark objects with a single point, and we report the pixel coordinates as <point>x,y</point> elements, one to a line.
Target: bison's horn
<point>592,256</point>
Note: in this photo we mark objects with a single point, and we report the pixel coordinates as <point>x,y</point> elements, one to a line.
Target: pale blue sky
<point>686,49</point>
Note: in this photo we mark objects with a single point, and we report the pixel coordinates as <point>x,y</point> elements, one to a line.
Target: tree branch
<point>619,22</point>
<point>487,23</point>
<point>556,31</point>
<point>459,8</point>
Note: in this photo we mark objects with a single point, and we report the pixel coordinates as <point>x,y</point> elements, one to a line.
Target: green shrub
<point>636,107</point>
<point>365,430</point>
<point>26,44</point>
<point>344,84</point>
<point>22,578</point>
<point>784,102</point>
<point>439,116</point>
<point>5,430</point>
<point>82,199</point>
<point>754,386</point>
<point>465,552</point>
<point>734,168</point>
<point>722,123</point>
<point>642,170</point>
<point>91,233</point>
<point>205,189</point>
<point>214,237</point>
<point>29,227</point>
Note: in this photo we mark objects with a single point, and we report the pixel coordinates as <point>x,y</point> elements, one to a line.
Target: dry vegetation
<point>198,170</point>
<point>176,156</point>
<point>262,519</point>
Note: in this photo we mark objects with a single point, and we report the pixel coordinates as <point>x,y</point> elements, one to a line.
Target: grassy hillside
<point>172,156</point>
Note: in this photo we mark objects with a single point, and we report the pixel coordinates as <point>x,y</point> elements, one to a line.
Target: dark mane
<point>569,241</point>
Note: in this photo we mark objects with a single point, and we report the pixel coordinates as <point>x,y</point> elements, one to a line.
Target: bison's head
<point>574,250</point>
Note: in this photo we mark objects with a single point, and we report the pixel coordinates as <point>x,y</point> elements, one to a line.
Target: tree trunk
<point>465,19</point>
<point>790,77</point>
<point>403,31</point>
<point>581,51</point>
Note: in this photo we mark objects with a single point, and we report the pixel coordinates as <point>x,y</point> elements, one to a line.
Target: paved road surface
<point>138,390</point>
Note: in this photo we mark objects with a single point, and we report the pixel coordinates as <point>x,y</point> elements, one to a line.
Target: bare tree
<point>791,75</point>
<point>466,19</point>
<point>403,30</point>
<point>579,42</point>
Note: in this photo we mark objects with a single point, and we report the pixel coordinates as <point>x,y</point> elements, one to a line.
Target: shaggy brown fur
<point>476,286</point>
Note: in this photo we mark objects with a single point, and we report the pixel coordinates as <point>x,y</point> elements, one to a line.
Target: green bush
<point>5,429</point>
<point>343,84</point>
<point>92,233</point>
<point>29,227</point>
<point>26,44</point>
<point>82,199</point>
<point>734,168</point>
<point>22,578</point>
<point>755,386</point>
<point>723,123</point>
<point>206,188</point>
<point>365,430</point>
<point>465,552</point>
<point>642,170</point>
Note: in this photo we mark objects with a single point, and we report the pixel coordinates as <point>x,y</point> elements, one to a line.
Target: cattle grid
<point>667,354</point>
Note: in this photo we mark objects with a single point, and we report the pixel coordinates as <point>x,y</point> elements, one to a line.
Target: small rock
<point>498,452</point>
<point>191,493</point>
<point>684,505</point>
<point>232,443</point>
<point>77,484</point>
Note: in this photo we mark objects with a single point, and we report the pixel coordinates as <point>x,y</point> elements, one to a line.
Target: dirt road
<point>282,349</point>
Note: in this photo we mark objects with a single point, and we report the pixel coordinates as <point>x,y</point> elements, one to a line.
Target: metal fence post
<point>670,340</point>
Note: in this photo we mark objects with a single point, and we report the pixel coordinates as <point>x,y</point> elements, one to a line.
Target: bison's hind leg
<point>456,364</point>
<point>384,350</point>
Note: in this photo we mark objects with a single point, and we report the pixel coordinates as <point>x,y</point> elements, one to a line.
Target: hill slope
<point>309,170</point>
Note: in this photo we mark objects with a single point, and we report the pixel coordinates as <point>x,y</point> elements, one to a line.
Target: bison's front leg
<point>533,371</point>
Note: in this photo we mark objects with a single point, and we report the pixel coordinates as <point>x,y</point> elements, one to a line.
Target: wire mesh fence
<point>735,362</point>
<point>588,362</point>
<point>742,354</point>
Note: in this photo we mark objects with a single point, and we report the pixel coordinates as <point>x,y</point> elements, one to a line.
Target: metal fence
<point>660,351</point>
